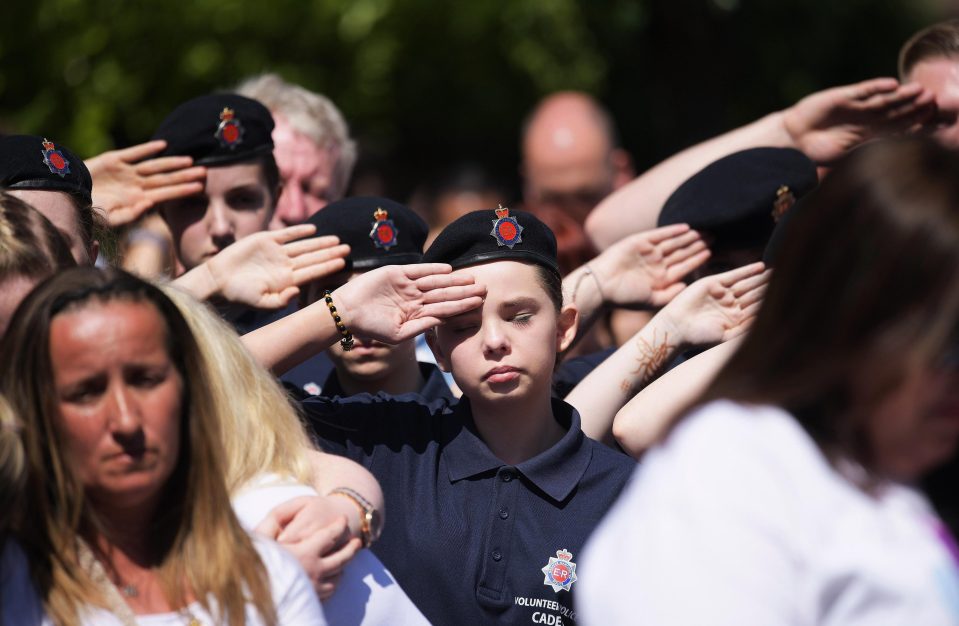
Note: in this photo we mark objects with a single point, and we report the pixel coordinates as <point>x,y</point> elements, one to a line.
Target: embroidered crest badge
<point>506,230</point>
<point>783,202</point>
<point>560,571</point>
<point>54,159</point>
<point>230,131</point>
<point>384,230</point>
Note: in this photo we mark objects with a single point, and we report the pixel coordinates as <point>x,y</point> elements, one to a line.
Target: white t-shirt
<point>293,597</point>
<point>738,519</point>
<point>367,593</point>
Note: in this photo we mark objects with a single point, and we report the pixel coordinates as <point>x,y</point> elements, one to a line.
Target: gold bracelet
<point>346,342</point>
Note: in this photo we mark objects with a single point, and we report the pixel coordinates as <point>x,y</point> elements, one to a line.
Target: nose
<point>125,418</point>
<point>219,224</point>
<point>495,339</point>
<point>291,207</point>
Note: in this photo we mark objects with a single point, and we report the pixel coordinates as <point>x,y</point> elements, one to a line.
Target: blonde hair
<point>259,428</point>
<point>12,468</point>
<point>200,544</point>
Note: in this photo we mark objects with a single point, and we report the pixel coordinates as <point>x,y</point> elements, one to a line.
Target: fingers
<point>450,308</point>
<point>337,253</point>
<point>316,271</point>
<point>320,540</point>
<point>679,242</point>
<point>657,235</point>
<point>445,294</point>
<point>676,271</point>
<point>312,244</point>
<point>868,88</point>
<point>144,150</point>
<point>292,233</point>
<point>164,194</point>
<point>193,174</point>
<point>750,283</point>
<point>419,270</point>
<point>165,164</point>
<point>727,279</point>
<point>280,516</point>
<point>441,281</point>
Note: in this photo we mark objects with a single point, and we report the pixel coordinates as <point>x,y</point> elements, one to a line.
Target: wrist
<point>199,282</point>
<point>369,520</point>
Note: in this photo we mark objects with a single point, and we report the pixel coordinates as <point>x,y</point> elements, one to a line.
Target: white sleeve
<point>704,534</point>
<point>368,595</point>
<point>293,596</point>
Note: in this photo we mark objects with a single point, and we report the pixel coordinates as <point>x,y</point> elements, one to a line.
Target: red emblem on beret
<point>54,159</point>
<point>230,132</point>
<point>384,231</point>
<point>506,230</point>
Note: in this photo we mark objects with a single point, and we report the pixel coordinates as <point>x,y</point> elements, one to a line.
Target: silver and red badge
<point>54,159</point>
<point>230,131</point>
<point>384,230</point>
<point>506,230</point>
<point>560,571</point>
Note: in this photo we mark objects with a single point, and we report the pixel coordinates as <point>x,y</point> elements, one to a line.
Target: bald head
<point>570,158</point>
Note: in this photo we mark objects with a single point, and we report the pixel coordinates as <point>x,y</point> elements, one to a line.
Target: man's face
<point>566,171</point>
<point>307,173</point>
<point>940,75</point>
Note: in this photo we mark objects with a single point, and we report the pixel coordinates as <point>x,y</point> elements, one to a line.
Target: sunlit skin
<point>57,207</point>
<point>119,400</point>
<point>916,427</point>
<point>306,170</point>
<point>940,76</point>
<point>235,203</point>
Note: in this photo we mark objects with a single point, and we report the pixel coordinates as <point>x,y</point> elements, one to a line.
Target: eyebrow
<point>519,303</point>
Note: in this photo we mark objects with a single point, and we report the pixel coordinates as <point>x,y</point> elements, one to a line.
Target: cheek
<point>246,223</point>
<point>82,433</point>
<point>163,424</point>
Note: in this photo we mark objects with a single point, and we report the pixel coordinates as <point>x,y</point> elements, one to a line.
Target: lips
<point>501,374</point>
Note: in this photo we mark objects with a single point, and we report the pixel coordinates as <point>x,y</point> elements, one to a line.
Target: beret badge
<point>54,159</point>
<point>384,230</point>
<point>783,202</point>
<point>506,230</point>
<point>230,132</point>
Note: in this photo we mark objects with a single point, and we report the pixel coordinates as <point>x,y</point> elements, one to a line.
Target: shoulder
<point>19,602</point>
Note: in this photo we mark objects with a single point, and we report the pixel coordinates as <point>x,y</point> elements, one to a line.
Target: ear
<point>94,251</point>
<point>566,327</point>
<point>442,359</point>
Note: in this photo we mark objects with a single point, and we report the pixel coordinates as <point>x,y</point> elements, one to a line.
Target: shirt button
<point>503,513</point>
<point>497,555</point>
<point>507,476</point>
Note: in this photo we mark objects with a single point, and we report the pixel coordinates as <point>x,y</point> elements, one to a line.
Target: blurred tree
<point>426,83</point>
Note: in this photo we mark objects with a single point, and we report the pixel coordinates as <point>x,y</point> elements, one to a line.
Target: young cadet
<point>379,232</point>
<point>489,500</point>
<point>229,135</point>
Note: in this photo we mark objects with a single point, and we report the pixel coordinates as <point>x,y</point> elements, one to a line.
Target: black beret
<point>739,198</point>
<point>29,162</point>
<point>380,231</point>
<point>493,235</point>
<point>218,129</point>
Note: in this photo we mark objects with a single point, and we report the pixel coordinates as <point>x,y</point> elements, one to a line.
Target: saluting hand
<point>125,186</point>
<point>827,124</point>
<point>646,268</point>
<point>397,302</point>
<point>716,308</point>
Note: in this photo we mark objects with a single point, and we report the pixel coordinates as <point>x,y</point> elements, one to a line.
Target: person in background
<point>312,146</point>
<point>784,495</point>
<point>129,514</point>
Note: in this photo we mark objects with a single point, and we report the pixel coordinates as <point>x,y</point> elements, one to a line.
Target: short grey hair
<point>311,114</point>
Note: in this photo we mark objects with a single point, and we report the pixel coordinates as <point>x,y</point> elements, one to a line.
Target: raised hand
<point>264,269</point>
<point>125,186</point>
<point>716,308</point>
<point>396,302</point>
<point>646,269</point>
<point>827,124</point>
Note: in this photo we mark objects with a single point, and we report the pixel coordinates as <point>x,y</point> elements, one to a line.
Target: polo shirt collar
<point>556,471</point>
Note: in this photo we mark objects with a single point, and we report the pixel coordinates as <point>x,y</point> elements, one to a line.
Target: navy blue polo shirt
<point>471,539</point>
<point>434,385</point>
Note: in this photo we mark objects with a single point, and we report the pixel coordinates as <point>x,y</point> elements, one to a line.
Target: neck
<point>405,380</point>
<point>520,431</point>
<point>129,531</point>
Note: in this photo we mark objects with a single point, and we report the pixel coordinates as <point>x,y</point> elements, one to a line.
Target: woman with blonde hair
<point>271,465</point>
<point>130,515</point>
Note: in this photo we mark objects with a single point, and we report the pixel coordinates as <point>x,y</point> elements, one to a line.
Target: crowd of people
<point>721,392</point>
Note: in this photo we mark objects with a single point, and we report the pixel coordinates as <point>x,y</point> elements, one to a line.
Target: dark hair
<point>271,174</point>
<point>865,293</point>
<point>937,41</point>
<point>552,284</point>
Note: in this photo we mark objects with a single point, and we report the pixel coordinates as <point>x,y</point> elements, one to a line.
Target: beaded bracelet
<point>347,341</point>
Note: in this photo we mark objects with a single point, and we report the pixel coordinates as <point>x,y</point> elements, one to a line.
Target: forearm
<point>198,282</point>
<point>293,339</point>
<point>331,471</point>
<point>636,206</point>
<point>600,395</point>
<point>643,420</point>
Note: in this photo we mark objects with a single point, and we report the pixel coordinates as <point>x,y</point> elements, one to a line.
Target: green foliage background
<point>423,83</point>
